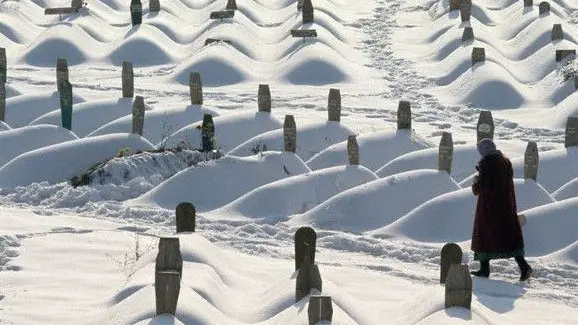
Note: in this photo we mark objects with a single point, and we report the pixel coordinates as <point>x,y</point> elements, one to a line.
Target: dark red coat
<point>496,225</point>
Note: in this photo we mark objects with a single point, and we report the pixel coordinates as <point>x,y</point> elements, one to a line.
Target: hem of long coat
<point>485,256</point>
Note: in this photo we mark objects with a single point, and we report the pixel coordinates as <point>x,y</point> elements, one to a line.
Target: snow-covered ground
<point>83,251</point>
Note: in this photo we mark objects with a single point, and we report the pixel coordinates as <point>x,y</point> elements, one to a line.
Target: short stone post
<point>305,241</point>
<point>458,287</point>
<point>196,88</point>
<point>557,32</point>
<point>61,73</point>
<point>127,80</point>
<point>136,12</point>
<point>307,12</point>
<point>454,4</point>
<point>208,133</point>
<point>352,150</point>
<point>485,127</point>
<point>468,34</point>
<point>334,105</point>
<point>571,138</point>
<point>320,309</point>
<point>168,273</point>
<point>3,66</point>
<point>451,254</point>
<point>186,216</point>
<point>531,160</point>
<point>446,152</point>
<point>290,134</point>
<point>478,55</point>
<point>154,6</point>
<point>465,10</point>
<point>231,5</point>
<point>2,101</point>
<point>264,99</point>
<point>528,3</point>
<point>404,115</point>
<point>138,115</point>
<point>66,105</point>
<point>544,8</point>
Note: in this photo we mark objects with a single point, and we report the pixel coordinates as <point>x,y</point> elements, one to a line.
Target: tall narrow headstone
<point>308,277</point>
<point>154,6</point>
<point>485,126</point>
<point>571,139</point>
<point>127,80</point>
<point>531,160</point>
<point>169,255</point>
<point>196,88</point>
<point>66,105</point>
<point>557,32</point>
<point>478,55</point>
<point>468,34</point>
<point>186,215</point>
<point>458,287</point>
<point>352,150</point>
<point>167,288</point>
<point>61,73</point>
<point>136,12</point>
<point>320,309</point>
<point>289,134</point>
<point>2,101</point>
<point>451,254</point>
<point>208,132</point>
<point>231,5</point>
<point>305,242</point>
<point>544,8</point>
<point>138,115</point>
<point>528,3</point>
<point>465,10</point>
<point>334,105</point>
<point>454,4</point>
<point>446,152</point>
<point>404,115</point>
<point>307,12</point>
<point>3,65</point>
<point>264,99</point>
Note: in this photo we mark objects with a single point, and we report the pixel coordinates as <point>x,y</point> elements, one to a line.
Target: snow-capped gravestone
<point>168,273</point>
<point>458,287</point>
<point>196,88</point>
<point>208,133</point>
<point>571,138</point>
<point>136,12</point>
<point>404,115</point>
<point>544,8</point>
<point>289,134</point>
<point>352,150</point>
<point>451,254</point>
<point>222,14</point>
<point>562,54</point>
<point>531,160</point>
<point>305,242</point>
<point>307,12</point>
<point>454,4</point>
<point>465,10</point>
<point>186,215</point>
<point>66,105</point>
<point>3,65</point>
<point>320,309</point>
<point>468,34</point>
<point>446,152</point>
<point>2,101</point>
<point>478,55</point>
<point>528,3</point>
<point>334,105</point>
<point>138,112</point>
<point>127,80</point>
<point>61,73</point>
<point>485,126</point>
<point>154,6</point>
<point>264,99</point>
<point>231,5</point>
<point>557,32</point>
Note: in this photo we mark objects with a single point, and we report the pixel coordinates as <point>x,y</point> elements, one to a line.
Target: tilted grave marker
<point>154,6</point>
<point>305,241</point>
<point>544,8</point>
<point>304,33</point>
<point>217,40</point>
<point>451,254</point>
<point>446,152</point>
<point>264,98</point>
<point>61,73</point>
<point>196,88</point>
<point>455,4</point>
<point>320,309</point>
<point>334,105</point>
<point>208,133</point>
<point>404,115</point>
<point>186,217</point>
<point>3,66</point>
<point>127,80</point>
<point>468,34</point>
<point>231,5</point>
<point>458,287</point>
<point>571,138</point>
<point>465,10</point>
<point>138,115</point>
<point>478,55</point>
<point>531,160</point>
<point>307,12</point>
<point>289,134</point>
<point>352,150</point>
<point>485,126</point>
<point>528,3</point>
<point>562,54</point>
<point>168,274</point>
<point>222,14</point>
<point>66,105</point>
<point>2,101</point>
<point>557,32</point>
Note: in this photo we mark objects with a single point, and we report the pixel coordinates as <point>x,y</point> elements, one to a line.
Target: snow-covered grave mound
<point>450,216</point>
<point>311,139</point>
<point>21,110</point>
<point>297,194</point>
<point>213,184</point>
<point>378,203</point>
<point>375,150</point>
<point>60,162</point>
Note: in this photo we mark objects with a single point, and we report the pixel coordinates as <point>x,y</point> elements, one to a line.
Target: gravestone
<point>169,255</point>
<point>531,160</point>
<point>127,80</point>
<point>186,216</point>
<point>352,150</point>
<point>465,10</point>
<point>208,133</point>
<point>304,33</point>
<point>446,152</point>
<point>289,134</point>
<point>404,115</point>
<point>216,40</point>
<point>544,8</point>
<point>468,34</point>
<point>307,12</point>
<point>528,3</point>
<point>167,288</point>
<point>61,73</point>
<point>320,309</point>
<point>308,277</point>
<point>196,88</point>
<point>485,126</point>
<point>136,12</point>
<point>77,4</point>
<point>451,254</point>
<point>154,6</point>
<point>478,55</point>
<point>454,4</point>
<point>305,241</point>
<point>264,99</point>
<point>458,287</point>
<point>571,138</point>
<point>334,105</point>
<point>231,5</point>
<point>2,101</point>
<point>3,66</point>
<point>222,14</point>
<point>562,54</point>
<point>66,105</point>
<point>138,115</point>
<point>557,32</point>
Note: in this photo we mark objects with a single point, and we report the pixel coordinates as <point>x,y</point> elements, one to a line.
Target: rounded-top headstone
<point>231,5</point>
<point>571,138</point>
<point>334,105</point>
<point>196,88</point>
<point>446,152</point>
<point>451,254</point>
<point>136,12</point>
<point>305,241</point>
<point>352,150</point>
<point>138,112</point>
<point>127,79</point>
<point>404,115</point>
<point>307,12</point>
<point>557,32</point>
<point>458,287</point>
<point>468,34</point>
<point>289,134</point>
<point>264,99</point>
<point>531,160</point>
<point>186,215</point>
<point>154,5</point>
<point>544,8</point>
<point>3,65</point>
<point>485,126</point>
<point>61,73</point>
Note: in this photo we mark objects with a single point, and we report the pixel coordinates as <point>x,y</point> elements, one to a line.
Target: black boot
<point>525,268</point>
<point>484,270</point>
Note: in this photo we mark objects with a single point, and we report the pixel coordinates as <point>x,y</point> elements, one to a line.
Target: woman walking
<point>497,233</point>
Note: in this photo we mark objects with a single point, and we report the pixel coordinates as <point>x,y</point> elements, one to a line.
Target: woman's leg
<point>484,270</point>
<point>525,269</point>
